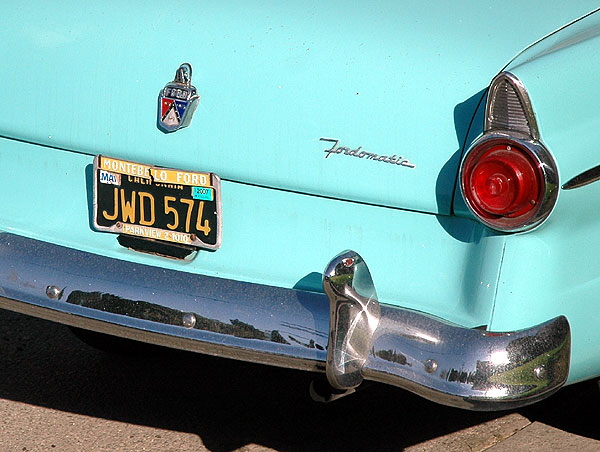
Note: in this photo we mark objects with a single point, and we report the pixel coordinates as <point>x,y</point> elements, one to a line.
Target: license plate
<point>151,202</point>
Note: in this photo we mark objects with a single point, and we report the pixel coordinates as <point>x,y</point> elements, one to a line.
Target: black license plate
<point>151,202</point>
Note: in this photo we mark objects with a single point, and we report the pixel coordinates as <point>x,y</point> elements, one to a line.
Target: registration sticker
<point>204,193</point>
<point>165,204</point>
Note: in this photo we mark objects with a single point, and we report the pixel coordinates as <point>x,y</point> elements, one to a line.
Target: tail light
<point>508,178</point>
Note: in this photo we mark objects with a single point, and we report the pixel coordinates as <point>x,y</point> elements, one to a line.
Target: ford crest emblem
<point>177,101</point>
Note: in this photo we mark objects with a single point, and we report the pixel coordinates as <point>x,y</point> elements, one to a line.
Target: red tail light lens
<point>504,181</point>
<point>504,184</point>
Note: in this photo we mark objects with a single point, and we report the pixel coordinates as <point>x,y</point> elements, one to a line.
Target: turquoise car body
<point>287,92</point>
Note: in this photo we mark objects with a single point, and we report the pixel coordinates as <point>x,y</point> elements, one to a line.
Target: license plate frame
<point>152,202</point>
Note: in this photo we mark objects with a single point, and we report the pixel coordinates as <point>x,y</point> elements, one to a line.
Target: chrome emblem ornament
<point>177,101</point>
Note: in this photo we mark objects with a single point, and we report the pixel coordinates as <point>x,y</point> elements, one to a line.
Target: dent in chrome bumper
<point>345,333</point>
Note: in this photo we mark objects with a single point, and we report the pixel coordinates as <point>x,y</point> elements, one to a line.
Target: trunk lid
<point>391,88</point>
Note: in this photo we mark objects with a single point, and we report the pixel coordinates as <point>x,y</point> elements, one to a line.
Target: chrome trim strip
<point>583,179</point>
<point>284,327</point>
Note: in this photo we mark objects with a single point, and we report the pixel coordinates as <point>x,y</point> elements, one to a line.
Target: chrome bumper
<point>345,333</point>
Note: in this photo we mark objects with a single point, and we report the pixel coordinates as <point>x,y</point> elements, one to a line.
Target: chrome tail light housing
<point>508,179</point>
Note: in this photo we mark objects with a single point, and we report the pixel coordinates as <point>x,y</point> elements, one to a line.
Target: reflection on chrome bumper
<point>446,363</point>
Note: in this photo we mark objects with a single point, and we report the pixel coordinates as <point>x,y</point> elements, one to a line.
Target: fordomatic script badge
<point>177,101</point>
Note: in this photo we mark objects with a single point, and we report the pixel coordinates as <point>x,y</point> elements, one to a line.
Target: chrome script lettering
<point>358,152</point>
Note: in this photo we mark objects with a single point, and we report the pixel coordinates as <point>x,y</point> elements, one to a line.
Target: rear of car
<point>322,187</point>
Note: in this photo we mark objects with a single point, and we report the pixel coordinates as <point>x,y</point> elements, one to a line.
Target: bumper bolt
<point>430,366</point>
<point>189,320</point>
<point>53,292</point>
